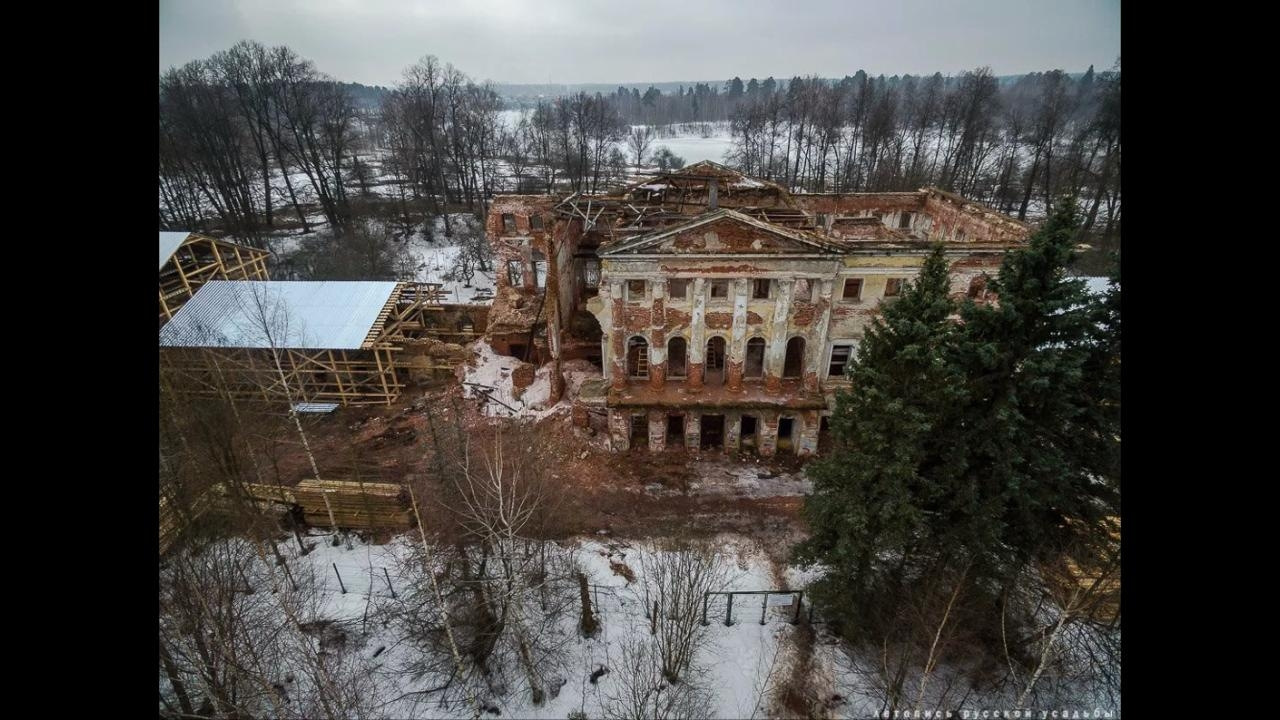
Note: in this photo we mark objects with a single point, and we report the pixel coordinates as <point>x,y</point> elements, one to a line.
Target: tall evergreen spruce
<point>976,447</point>
<point>1040,426</point>
<point>869,500</point>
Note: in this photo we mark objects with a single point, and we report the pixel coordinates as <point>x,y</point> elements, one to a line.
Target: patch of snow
<point>1097,285</point>
<point>736,479</point>
<point>432,262</point>
<point>493,372</point>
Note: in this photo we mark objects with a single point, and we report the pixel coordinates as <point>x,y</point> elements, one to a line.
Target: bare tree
<point>639,690</point>
<point>675,578</point>
<point>639,139</point>
<point>496,588</point>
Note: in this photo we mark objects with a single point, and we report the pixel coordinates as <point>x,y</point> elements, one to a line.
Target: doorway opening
<point>675,431</point>
<point>748,436</point>
<point>786,428</point>
<point>712,432</point>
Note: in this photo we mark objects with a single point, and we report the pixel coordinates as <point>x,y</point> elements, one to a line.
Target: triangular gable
<point>724,232</point>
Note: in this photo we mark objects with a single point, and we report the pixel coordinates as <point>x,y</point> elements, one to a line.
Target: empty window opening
<point>677,361</point>
<point>978,287</point>
<point>760,289</point>
<point>508,222</point>
<point>675,431</point>
<point>636,290</point>
<point>754,365</point>
<point>539,269</point>
<point>748,436</point>
<point>519,350</point>
<point>591,272</point>
<point>712,432</point>
<point>959,236</point>
<point>638,357</point>
<point>840,356</point>
<point>719,289</point>
<point>515,273</point>
<point>678,290</point>
<point>639,431</point>
<point>904,221</point>
<point>793,367</point>
<point>715,361</point>
<point>535,222</point>
<point>852,290</point>
<point>786,427</point>
<point>893,287</point>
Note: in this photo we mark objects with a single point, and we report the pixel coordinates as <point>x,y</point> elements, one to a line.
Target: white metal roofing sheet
<point>287,314</point>
<point>169,244</point>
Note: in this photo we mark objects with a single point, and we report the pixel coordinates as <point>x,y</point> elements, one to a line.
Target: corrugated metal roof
<point>321,408</point>
<point>169,243</point>
<point>302,315</point>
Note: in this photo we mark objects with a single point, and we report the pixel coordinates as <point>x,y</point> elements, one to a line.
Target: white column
<point>697,334</point>
<point>776,351</point>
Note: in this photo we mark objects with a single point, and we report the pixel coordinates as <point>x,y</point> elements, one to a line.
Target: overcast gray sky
<point>589,41</point>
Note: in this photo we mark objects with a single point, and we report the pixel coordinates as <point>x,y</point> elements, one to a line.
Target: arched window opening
<point>638,357</point>
<point>677,363</point>
<point>754,365</point>
<point>715,361</point>
<point>793,367</point>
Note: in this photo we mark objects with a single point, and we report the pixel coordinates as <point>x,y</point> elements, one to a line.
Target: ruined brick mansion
<point>720,309</point>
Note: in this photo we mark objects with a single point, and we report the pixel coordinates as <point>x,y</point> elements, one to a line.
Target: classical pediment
<point>724,232</point>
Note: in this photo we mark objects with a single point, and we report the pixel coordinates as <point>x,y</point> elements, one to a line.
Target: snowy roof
<point>302,315</point>
<point>169,244</point>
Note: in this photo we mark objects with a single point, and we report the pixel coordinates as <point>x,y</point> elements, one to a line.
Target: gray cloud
<point>562,41</point>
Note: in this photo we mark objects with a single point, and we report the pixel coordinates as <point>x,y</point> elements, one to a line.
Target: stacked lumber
<point>268,503</point>
<point>355,505</point>
<point>262,493</point>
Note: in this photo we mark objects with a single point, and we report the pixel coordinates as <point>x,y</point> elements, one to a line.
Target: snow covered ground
<point>739,664</point>
<point>435,260</point>
<point>493,372</point>
<point>696,149</point>
<point>362,590</point>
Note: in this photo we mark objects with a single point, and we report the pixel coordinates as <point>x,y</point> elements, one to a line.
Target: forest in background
<point>256,140</point>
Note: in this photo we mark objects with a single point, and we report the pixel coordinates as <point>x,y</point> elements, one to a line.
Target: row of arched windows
<point>714,358</point>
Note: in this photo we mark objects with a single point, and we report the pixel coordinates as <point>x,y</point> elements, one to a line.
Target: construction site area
<point>648,379</point>
<point>699,320</point>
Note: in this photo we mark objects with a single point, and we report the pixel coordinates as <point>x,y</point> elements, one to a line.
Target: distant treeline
<point>366,97</point>
<point>253,135</point>
<point>1009,145</point>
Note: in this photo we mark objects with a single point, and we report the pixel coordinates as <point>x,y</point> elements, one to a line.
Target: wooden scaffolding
<point>372,375</point>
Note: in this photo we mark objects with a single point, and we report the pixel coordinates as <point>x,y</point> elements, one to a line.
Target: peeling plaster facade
<point>720,308</point>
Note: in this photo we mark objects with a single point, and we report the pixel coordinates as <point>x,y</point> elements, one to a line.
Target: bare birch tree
<point>675,578</point>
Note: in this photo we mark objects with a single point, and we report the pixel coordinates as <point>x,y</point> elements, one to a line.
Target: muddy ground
<point>633,494</point>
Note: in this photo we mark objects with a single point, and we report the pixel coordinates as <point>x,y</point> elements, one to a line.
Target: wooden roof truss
<point>200,259</point>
